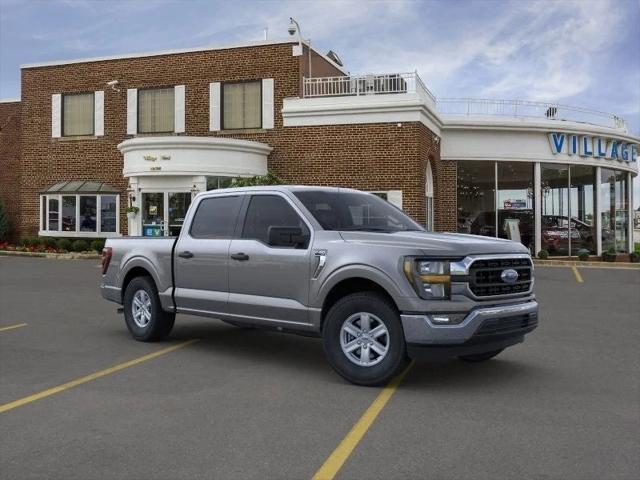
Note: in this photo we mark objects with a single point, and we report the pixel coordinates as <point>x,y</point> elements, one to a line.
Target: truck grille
<point>509,325</point>
<point>486,280</point>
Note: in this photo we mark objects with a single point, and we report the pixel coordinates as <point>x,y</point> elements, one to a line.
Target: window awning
<point>80,187</point>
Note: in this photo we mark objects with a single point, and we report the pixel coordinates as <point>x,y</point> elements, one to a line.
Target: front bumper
<point>481,325</point>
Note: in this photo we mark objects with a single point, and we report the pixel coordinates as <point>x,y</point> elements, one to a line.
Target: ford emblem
<point>509,276</point>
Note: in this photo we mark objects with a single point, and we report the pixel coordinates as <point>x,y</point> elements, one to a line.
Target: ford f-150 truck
<point>340,264</point>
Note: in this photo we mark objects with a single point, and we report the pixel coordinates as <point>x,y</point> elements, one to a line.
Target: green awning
<point>81,187</point>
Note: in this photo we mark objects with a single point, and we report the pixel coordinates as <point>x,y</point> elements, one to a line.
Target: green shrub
<point>97,245</point>
<point>611,250</point>
<point>80,246</point>
<point>269,179</point>
<point>543,254</point>
<point>49,242</point>
<point>65,244</point>
<point>583,255</point>
<point>30,241</point>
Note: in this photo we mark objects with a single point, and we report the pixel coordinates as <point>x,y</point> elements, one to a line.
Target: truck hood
<point>437,244</point>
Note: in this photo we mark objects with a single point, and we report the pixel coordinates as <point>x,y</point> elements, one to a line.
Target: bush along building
<point>119,145</point>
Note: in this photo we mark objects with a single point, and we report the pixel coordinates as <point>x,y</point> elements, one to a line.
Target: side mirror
<point>287,237</point>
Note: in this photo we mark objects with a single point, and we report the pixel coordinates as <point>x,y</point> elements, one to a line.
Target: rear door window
<point>216,217</point>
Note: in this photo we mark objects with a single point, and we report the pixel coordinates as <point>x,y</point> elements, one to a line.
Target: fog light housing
<point>447,318</point>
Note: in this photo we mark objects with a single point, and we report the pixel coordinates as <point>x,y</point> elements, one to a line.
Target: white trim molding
<point>56,115</point>
<point>268,103</point>
<point>132,111</point>
<point>98,113</point>
<point>214,106</point>
<point>183,155</point>
<point>383,108</point>
<point>179,101</point>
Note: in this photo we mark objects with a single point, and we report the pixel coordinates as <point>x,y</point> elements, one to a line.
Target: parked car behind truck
<point>340,264</point>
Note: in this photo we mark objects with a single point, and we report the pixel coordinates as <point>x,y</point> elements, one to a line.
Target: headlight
<point>431,279</point>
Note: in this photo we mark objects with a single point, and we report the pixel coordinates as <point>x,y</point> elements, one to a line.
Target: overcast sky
<point>584,53</point>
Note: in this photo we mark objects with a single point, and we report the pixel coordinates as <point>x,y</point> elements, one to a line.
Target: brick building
<point>91,137</point>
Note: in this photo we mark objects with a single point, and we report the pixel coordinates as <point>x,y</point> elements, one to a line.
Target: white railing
<point>524,108</point>
<point>356,85</point>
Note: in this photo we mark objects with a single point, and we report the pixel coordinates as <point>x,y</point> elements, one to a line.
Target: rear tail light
<point>106,258</point>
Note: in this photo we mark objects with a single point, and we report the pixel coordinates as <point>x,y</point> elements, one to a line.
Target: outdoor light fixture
<point>132,197</point>
<point>194,190</point>
<point>294,27</point>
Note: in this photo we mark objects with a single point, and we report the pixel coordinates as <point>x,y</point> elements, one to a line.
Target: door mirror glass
<point>287,236</point>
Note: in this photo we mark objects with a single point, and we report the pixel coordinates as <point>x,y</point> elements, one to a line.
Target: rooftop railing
<point>398,83</point>
<point>357,85</point>
<point>527,109</point>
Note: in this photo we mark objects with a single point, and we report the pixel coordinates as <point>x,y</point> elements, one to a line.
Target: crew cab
<point>340,264</point>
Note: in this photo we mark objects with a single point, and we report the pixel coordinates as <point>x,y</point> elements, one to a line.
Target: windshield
<point>353,211</point>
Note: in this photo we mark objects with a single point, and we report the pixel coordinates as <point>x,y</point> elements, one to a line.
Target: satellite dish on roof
<point>335,58</point>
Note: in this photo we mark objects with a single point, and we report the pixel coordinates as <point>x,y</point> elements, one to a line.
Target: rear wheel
<point>363,339</point>
<point>480,357</point>
<point>143,314</point>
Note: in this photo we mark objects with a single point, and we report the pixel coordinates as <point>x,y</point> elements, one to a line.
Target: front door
<point>202,256</point>
<point>266,282</point>
<point>163,213</point>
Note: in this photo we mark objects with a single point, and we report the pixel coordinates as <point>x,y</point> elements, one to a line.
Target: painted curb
<point>58,256</point>
<point>569,263</point>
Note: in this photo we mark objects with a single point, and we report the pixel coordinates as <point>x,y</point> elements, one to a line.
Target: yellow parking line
<point>94,376</point>
<point>577,275</point>
<point>333,464</point>
<point>11,327</point>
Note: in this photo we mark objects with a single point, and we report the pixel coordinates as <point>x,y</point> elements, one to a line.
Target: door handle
<point>240,256</point>
<point>185,254</point>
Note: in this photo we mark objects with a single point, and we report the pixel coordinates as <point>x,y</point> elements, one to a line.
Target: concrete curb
<point>571,263</point>
<point>58,256</point>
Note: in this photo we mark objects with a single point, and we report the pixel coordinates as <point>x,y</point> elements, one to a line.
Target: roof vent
<point>334,57</point>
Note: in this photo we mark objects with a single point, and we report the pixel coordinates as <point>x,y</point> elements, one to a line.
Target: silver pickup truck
<point>336,263</point>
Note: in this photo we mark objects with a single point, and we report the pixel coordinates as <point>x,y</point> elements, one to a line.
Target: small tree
<point>269,179</point>
<point>5,227</point>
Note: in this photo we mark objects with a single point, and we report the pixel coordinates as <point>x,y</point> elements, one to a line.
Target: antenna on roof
<point>335,58</point>
<point>266,33</point>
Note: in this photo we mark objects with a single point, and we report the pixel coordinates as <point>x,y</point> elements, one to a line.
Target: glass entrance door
<point>163,213</point>
<point>178,204</point>
<point>153,214</point>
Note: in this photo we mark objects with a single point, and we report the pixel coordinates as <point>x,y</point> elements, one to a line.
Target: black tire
<point>480,357</point>
<point>394,360</point>
<point>160,323</point>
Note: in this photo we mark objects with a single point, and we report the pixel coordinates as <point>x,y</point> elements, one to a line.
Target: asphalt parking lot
<point>251,404</point>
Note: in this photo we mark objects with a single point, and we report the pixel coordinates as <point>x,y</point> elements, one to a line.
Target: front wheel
<point>363,339</point>
<point>480,357</point>
<point>143,313</point>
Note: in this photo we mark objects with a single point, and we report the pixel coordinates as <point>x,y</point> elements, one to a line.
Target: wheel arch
<point>350,285</point>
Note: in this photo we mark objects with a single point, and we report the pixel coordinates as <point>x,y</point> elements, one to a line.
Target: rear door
<point>202,256</point>
<point>269,283</point>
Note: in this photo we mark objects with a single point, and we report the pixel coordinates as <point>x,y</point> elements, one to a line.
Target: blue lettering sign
<point>634,153</point>
<point>624,152</point>
<point>557,142</point>
<point>614,150</point>
<point>573,148</point>
<point>601,149</point>
<point>586,148</point>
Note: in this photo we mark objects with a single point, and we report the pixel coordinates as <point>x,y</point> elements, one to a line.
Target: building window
<point>77,114</point>
<point>76,215</point>
<point>516,203</point>
<point>477,197</point>
<point>242,105</point>
<point>69,213</point>
<point>214,183</point>
<point>156,110</point>
<point>614,210</point>
<point>428,192</point>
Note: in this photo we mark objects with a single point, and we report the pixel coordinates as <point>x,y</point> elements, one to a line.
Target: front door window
<point>153,214</point>
<point>178,204</point>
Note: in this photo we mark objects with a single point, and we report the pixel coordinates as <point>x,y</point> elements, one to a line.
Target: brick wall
<point>369,157</point>
<point>10,161</point>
